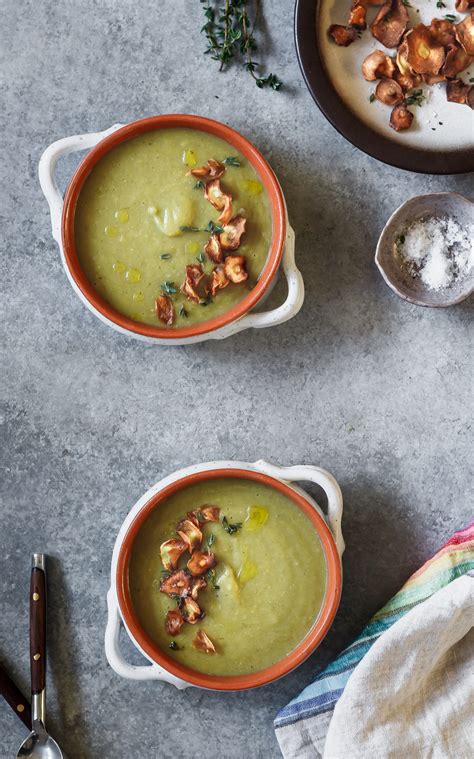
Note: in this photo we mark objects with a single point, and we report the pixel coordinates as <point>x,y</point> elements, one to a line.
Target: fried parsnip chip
<point>177,584</point>
<point>197,584</point>
<point>200,562</point>
<point>465,33</point>
<point>235,270</point>
<point>164,309</point>
<point>189,534</point>
<point>342,35</point>
<point>357,17</point>
<point>194,275</point>
<point>457,60</point>
<point>209,513</point>
<point>229,238</point>
<point>217,280</point>
<point>463,5</point>
<point>424,54</point>
<point>171,552</point>
<point>213,170</point>
<point>390,23</point>
<point>191,611</point>
<point>388,91</point>
<point>221,200</point>
<point>174,622</point>
<point>213,249</point>
<point>442,31</point>
<point>457,91</point>
<point>377,65</point>
<point>202,642</point>
<point>401,118</point>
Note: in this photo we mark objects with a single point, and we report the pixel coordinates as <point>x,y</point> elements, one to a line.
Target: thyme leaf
<point>415,97</point>
<point>231,161</point>
<point>166,256</point>
<point>230,37</point>
<point>168,287</point>
<point>230,528</point>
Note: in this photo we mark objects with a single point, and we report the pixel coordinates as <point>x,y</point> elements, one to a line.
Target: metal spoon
<point>38,745</point>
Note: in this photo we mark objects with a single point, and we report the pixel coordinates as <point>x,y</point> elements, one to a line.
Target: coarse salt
<point>438,250</point>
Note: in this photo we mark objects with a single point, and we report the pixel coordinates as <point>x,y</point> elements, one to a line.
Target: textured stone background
<point>375,390</point>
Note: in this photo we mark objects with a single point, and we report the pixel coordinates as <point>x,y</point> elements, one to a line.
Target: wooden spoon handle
<point>38,624</point>
<point>12,696</point>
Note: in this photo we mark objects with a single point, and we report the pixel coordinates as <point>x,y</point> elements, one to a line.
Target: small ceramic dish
<point>121,611</point>
<point>281,253</point>
<point>390,265</point>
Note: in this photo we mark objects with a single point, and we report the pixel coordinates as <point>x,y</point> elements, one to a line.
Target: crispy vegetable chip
<point>463,5</point>
<point>191,611</point>
<point>390,23</point>
<point>213,170</point>
<point>217,281</point>
<point>235,270</point>
<point>177,584</point>
<point>221,200</point>
<point>164,309</point>
<point>401,118</point>
<point>171,552</point>
<point>233,231</point>
<point>388,91</point>
<point>197,584</point>
<point>194,275</point>
<point>210,513</point>
<point>357,18</point>
<point>457,60</point>
<point>377,65</point>
<point>174,622</point>
<point>424,55</point>
<point>442,31</point>
<point>342,35</point>
<point>200,562</point>
<point>457,91</point>
<point>213,249</point>
<point>203,643</point>
<point>465,33</point>
<point>190,534</point>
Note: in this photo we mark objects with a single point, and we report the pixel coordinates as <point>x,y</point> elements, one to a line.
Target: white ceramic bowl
<point>161,667</point>
<point>240,317</point>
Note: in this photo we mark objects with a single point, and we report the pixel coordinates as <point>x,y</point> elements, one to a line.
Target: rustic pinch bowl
<point>410,288</point>
<point>158,665</point>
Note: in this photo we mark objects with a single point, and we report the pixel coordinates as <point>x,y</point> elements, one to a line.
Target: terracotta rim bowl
<point>289,662</point>
<point>167,121</point>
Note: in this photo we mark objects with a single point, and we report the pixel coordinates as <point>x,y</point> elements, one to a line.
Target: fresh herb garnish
<point>401,239</point>
<point>213,228</point>
<point>211,578</point>
<point>166,256</point>
<point>190,229</point>
<point>231,161</point>
<point>211,539</point>
<point>416,97</point>
<point>199,184</point>
<point>450,17</point>
<point>372,98</point>
<point>201,257</point>
<point>440,4</point>
<point>471,79</point>
<point>165,574</point>
<point>168,288</point>
<point>406,4</point>
<point>230,36</point>
<point>174,646</point>
<point>183,312</point>
<point>230,528</point>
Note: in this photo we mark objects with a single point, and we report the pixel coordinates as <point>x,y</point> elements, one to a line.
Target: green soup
<point>265,591</point>
<point>131,213</point>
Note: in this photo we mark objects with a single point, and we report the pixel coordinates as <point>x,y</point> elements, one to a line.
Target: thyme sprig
<point>230,36</point>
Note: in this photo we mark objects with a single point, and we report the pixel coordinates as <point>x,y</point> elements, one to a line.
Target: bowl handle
<point>287,310</point>
<point>322,478</point>
<point>114,654</point>
<point>47,166</point>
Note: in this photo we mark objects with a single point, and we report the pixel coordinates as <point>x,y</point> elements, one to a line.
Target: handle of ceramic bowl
<point>322,478</point>
<point>289,308</point>
<point>116,659</point>
<point>47,167</point>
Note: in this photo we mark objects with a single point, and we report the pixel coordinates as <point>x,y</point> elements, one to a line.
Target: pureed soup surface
<point>129,218</point>
<point>265,591</point>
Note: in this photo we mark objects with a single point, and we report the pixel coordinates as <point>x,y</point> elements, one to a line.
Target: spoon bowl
<point>39,745</point>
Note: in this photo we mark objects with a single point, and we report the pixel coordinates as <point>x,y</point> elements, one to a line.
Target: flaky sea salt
<point>438,250</point>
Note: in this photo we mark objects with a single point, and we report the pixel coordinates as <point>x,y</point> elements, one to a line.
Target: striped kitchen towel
<point>301,727</point>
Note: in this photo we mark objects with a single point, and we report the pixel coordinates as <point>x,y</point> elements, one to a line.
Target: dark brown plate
<point>347,123</point>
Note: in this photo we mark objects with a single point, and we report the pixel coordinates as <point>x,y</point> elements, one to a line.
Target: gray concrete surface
<point>375,390</point>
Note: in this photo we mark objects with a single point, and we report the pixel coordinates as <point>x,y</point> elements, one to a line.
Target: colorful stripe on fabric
<point>454,559</point>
